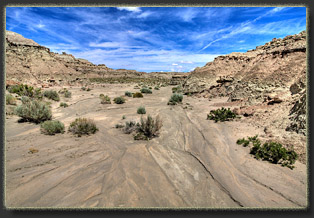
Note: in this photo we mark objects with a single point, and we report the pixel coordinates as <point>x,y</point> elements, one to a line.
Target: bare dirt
<point>193,163</point>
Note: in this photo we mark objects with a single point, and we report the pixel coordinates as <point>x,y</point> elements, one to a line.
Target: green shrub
<point>33,111</point>
<point>65,92</point>
<point>119,100</point>
<point>63,104</point>
<point>10,99</point>
<point>129,94</point>
<point>222,115</point>
<point>150,87</point>
<point>25,99</point>
<point>119,126</point>
<point>138,95</point>
<point>148,128</point>
<point>83,126</point>
<point>88,89</point>
<point>270,151</point>
<point>141,110</point>
<point>51,94</point>
<point>123,117</point>
<point>177,89</point>
<point>51,127</point>
<point>38,94</point>
<point>146,90</point>
<point>175,98</point>
<point>156,88</point>
<point>22,90</point>
<point>105,100</point>
<point>130,127</point>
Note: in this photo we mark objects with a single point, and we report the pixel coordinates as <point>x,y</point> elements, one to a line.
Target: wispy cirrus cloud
<point>153,39</point>
<point>132,9</point>
<point>244,26</point>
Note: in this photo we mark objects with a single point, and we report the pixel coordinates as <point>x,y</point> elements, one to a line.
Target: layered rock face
<point>276,64</point>
<point>29,62</point>
<point>272,76</point>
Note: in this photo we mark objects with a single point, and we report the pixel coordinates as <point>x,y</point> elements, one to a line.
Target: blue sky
<point>154,38</point>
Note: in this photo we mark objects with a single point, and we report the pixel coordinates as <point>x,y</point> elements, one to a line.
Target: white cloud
<point>174,64</point>
<point>188,14</point>
<point>105,45</point>
<point>145,14</point>
<point>245,26</point>
<point>40,25</point>
<point>186,62</point>
<point>132,9</point>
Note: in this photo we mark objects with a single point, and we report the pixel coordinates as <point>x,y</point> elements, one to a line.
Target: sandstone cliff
<point>29,62</point>
<point>270,79</point>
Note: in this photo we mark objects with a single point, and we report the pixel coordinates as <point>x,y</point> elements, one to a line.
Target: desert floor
<point>193,163</point>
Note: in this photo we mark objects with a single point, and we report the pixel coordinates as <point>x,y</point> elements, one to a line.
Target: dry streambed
<point>193,163</point>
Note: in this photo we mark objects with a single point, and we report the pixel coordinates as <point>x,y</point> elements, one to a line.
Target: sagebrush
<point>51,94</point>
<point>175,99</point>
<point>10,99</point>
<point>141,110</point>
<point>119,100</point>
<point>148,128</point>
<point>33,111</point>
<point>51,127</point>
<point>83,126</point>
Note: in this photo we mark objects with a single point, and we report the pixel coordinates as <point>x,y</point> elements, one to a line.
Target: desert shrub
<point>136,87</point>
<point>22,90</point>
<point>123,117</point>
<point>51,127</point>
<point>51,94</point>
<point>10,99</point>
<point>146,90</point>
<point>83,88</point>
<point>67,93</point>
<point>88,89</point>
<point>101,95</point>
<point>119,126</point>
<point>148,128</point>
<point>177,89</point>
<point>156,88</point>
<point>63,104</point>
<point>119,100</point>
<point>83,126</point>
<point>137,95</point>
<point>105,100</point>
<point>270,151</point>
<point>141,110</point>
<point>25,99</point>
<point>163,85</point>
<point>222,115</point>
<point>175,98</point>
<point>150,87</point>
<point>129,94</point>
<point>33,111</point>
<point>130,127</point>
<point>38,94</point>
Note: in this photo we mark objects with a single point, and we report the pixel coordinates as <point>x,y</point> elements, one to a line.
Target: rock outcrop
<point>277,64</point>
<point>27,61</point>
<point>270,79</point>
